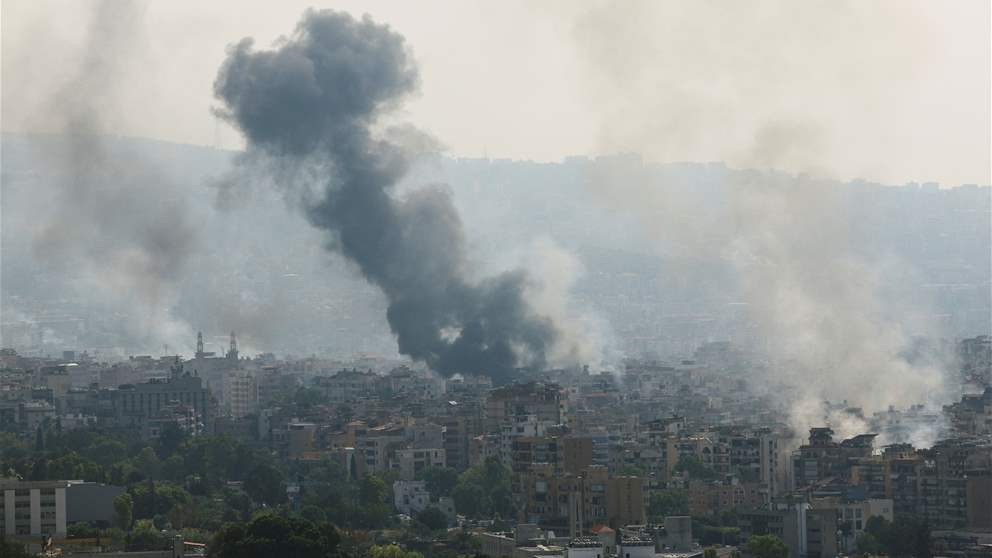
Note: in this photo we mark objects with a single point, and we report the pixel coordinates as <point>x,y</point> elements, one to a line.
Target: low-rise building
<point>410,461</point>
<point>35,508</point>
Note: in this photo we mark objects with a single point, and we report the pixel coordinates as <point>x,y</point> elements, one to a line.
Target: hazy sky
<point>891,90</point>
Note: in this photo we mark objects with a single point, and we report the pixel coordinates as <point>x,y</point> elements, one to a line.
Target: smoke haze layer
<point>310,110</point>
<point>840,325</point>
<point>112,224</point>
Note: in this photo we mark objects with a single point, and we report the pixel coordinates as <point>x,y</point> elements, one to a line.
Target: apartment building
<point>33,508</point>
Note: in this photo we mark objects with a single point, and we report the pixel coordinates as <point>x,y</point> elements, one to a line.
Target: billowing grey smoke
<point>308,109</point>
<point>112,223</point>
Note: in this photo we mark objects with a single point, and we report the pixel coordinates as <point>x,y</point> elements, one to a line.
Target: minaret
<point>232,352</point>
<point>199,345</point>
<point>176,370</point>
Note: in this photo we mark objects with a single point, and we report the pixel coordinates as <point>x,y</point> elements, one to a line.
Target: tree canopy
<point>767,546</point>
<point>903,537</point>
<point>268,535</point>
<point>484,491</point>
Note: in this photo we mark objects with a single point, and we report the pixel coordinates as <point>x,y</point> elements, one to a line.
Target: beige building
<point>852,516</point>
<point>625,501</point>
<point>300,439</point>
<point>410,461</point>
<point>580,501</point>
<point>577,453</point>
<point>708,498</point>
<point>239,394</point>
<point>542,401</point>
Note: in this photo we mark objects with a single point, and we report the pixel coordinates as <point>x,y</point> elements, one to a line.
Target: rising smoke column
<point>308,109</point>
<point>112,227</point>
<point>756,89</point>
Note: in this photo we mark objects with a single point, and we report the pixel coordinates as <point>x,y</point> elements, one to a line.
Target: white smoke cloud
<point>707,81</point>
<point>113,226</point>
<point>584,337</point>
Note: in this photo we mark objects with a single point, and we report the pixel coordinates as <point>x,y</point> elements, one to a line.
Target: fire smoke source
<point>309,109</point>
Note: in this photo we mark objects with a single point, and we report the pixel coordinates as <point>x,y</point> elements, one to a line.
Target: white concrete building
<point>635,547</point>
<point>411,497</point>
<point>33,508</point>
<point>585,547</point>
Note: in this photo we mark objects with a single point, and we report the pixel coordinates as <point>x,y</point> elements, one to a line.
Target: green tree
<point>663,503</point>
<point>147,462</point>
<point>709,553</point>
<point>173,468</point>
<point>81,530</point>
<point>123,511</point>
<point>484,490</point>
<point>465,543</point>
<point>868,544</point>
<point>313,513</point>
<point>392,551</point>
<point>433,518</point>
<point>169,440</point>
<point>264,484</point>
<point>106,451</point>
<point>238,505</point>
<point>268,535</point>
<point>695,468</point>
<point>440,481</point>
<point>903,537</point>
<point>372,494</point>
<point>632,471</point>
<point>71,465</point>
<point>217,459</point>
<point>767,546</point>
<point>157,498</point>
<point>330,488</point>
<point>12,447</point>
<point>12,549</point>
<point>709,534</point>
<point>146,536</point>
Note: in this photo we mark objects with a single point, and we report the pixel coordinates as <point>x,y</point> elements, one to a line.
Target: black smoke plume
<point>309,109</point>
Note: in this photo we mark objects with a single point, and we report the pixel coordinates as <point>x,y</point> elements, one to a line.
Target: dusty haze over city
<point>765,215</point>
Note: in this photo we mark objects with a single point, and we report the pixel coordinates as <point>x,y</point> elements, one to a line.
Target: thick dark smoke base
<point>308,109</point>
